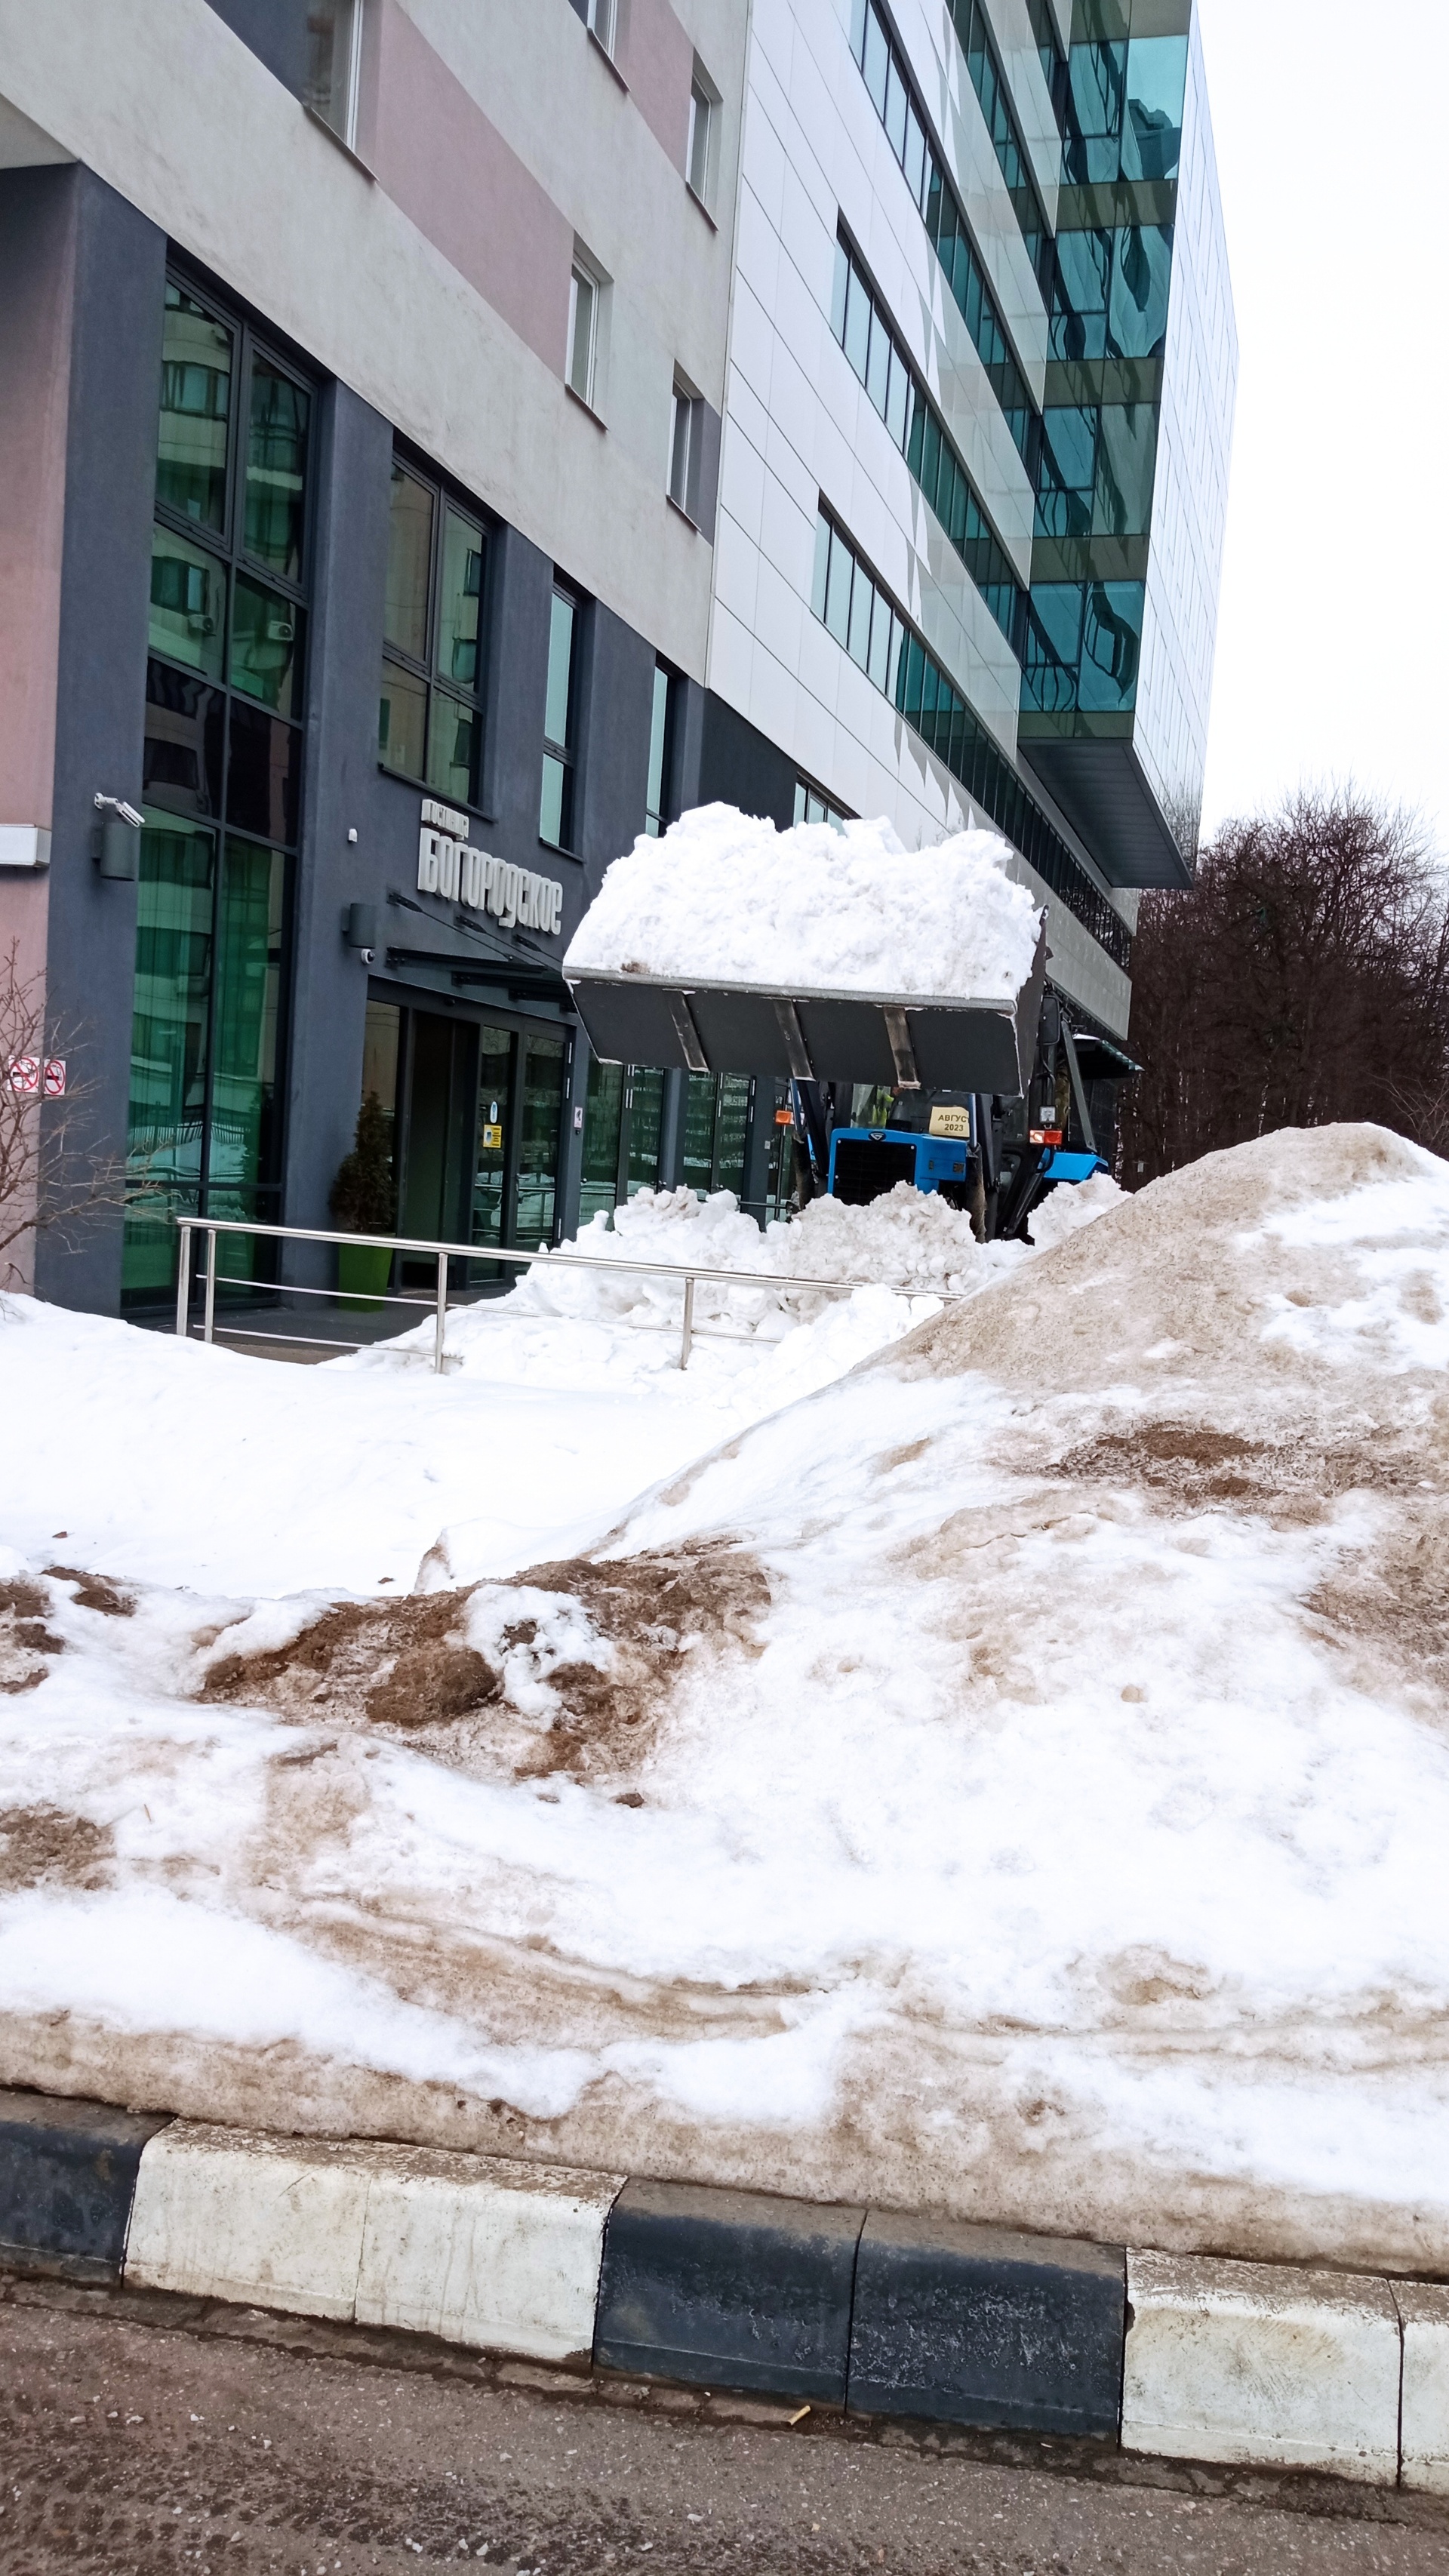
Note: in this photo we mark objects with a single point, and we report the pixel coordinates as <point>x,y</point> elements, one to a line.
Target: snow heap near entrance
<point>1012,1781</point>
<point>723,898</point>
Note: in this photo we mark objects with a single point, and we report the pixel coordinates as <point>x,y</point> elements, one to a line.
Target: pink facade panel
<point>657,60</point>
<point>451,172</point>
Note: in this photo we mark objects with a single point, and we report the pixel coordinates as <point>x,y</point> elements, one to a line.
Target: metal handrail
<point>689,1273</point>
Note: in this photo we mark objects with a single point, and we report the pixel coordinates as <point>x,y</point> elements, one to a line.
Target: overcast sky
<point>1333,638</point>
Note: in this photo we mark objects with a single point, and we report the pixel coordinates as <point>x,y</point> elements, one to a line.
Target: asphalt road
<point>137,2449</point>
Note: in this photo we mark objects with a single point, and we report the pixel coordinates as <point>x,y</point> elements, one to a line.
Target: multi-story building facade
<point>443,442</point>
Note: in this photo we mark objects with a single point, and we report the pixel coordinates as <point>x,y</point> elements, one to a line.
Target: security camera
<point>368,956</point>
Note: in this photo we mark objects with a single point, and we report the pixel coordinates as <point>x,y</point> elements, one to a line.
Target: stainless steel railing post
<point>440,1329</point>
<point>686,1339</point>
<point>208,1329</point>
<point>183,1282</point>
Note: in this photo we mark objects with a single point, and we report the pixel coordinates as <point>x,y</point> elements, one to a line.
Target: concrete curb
<point>870,2313</point>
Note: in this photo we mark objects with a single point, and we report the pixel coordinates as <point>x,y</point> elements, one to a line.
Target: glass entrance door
<point>441,1078</point>
<point>495,1119</point>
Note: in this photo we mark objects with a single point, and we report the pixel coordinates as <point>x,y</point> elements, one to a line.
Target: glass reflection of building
<point>1131,465</point>
<point>223,773</point>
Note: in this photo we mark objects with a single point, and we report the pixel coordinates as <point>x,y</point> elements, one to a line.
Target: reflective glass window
<point>409,562</point>
<point>196,373</point>
<point>169,1037</point>
<point>603,1121</point>
<point>837,589</point>
<point>877,374</point>
<point>857,323</point>
<point>1141,282</point>
<point>460,602</point>
<point>250,923</point>
<point>185,734</point>
<point>701,1101</point>
<point>188,604</point>
<point>264,774</point>
<point>1126,464</point>
<point>543,1090</point>
<point>453,736</point>
<point>276,470</point>
<point>1065,471</point>
<point>1081,278</point>
<point>402,723</point>
<point>857,642</point>
<point>267,634</point>
<point>1152,127</point>
<point>731,1129</point>
<point>658,742</point>
<point>1111,646</point>
<point>495,1096</point>
<point>646,1120</point>
<point>1096,83</point>
<point>876,65</point>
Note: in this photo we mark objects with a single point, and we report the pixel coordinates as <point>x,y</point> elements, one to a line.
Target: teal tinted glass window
<point>196,372</point>
<point>1126,466</point>
<point>603,1120</point>
<point>250,922</point>
<point>276,490</point>
<point>169,1037</point>
<point>495,1097</point>
<point>1152,125</point>
<point>557,711</point>
<point>837,590</point>
<point>1141,281</point>
<point>543,1092</point>
<point>453,730</point>
<point>188,604</point>
<point>460,603</point>
<point>1111,647</point>
<point>646,1122</point>
<point>1080,282</point>
<point>658,743</point>
<point>267,632</point>
<point>409,565</point>
<point>1066,471</point>
<point>1096,87</point>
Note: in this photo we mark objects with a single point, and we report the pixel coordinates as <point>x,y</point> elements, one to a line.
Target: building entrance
<point>477,1110</point>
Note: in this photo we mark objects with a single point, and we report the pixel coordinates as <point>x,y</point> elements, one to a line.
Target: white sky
<point>1331,659</point>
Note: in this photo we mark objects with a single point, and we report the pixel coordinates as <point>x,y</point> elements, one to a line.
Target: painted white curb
<point>502,2256</point>
<point>1424,2433</point>
<point>1256,2364</point>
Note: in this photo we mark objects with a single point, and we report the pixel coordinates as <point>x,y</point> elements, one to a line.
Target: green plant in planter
<point>363,1200</point>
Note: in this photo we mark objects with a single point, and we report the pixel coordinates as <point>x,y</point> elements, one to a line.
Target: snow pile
<point>724,898</point>
<point>1013,1780</point>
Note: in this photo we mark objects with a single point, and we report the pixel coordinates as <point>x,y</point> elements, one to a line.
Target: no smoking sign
<point>33,1075</point>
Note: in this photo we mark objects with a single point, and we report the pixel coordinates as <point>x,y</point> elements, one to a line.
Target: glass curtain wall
<point>430,715</point>
<point>623,1127</point>
<point>222,789</point>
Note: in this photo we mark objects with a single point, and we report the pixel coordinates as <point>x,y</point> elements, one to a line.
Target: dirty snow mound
<point>724,896</point>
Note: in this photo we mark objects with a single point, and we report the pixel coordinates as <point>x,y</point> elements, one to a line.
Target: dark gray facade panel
<point>67,2182</point>
<point>520,588</point>
<point>738,765</point>
<point>329,998</point>
<point>974,2325</point>
<point>728,2289</point>
<point>275,31</point>
<point>120,265</point>
<point>616,689</point>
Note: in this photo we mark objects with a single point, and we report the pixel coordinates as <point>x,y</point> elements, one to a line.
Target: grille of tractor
<point>864,1172</point>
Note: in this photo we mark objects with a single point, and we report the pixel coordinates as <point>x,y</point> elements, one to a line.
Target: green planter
<point>363,1271</point>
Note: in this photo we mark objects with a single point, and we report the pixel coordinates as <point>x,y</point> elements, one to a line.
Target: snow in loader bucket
<point>814,954</point>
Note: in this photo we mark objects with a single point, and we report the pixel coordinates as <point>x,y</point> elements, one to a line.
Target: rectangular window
<point>555,818</point>
<point>583,332</point>
<point>684,449</point>
<point>430,721</point>
<point>197,360</point>
<point>601,21</point>
<point>656,793</point>
<point>812,807</point>
<point>334,64</point>
<point>907,672</point>
<point>699,153</point>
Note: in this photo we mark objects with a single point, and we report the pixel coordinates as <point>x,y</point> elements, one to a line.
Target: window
<point>601,20</point>
<point>334,64</point>
<point>686,442</point>
<point>222,784</point>
<point>430,717</point>
<point>699,152</point>
<point>859,321</point>
<point>893,95</point>
<point>860,614</point>
<point>812,807</point>
<point>556,803</point>
<point>583,332</point>
<point>661,728</point>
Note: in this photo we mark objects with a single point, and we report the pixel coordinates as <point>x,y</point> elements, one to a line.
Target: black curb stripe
<point>67,2183</point>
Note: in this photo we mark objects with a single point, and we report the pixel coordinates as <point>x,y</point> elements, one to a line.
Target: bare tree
<point>1304,979</point>
<point>52,1179</point>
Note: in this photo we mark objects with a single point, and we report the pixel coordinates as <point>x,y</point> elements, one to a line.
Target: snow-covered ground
<point>1012,1778</point>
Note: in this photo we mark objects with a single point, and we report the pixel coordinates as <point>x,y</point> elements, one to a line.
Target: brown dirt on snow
<point>406,1666</point>
<point>95,1592</point>
<point>25,1640</point>
<point>43,1846</point>
<point>1193,1464</point>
